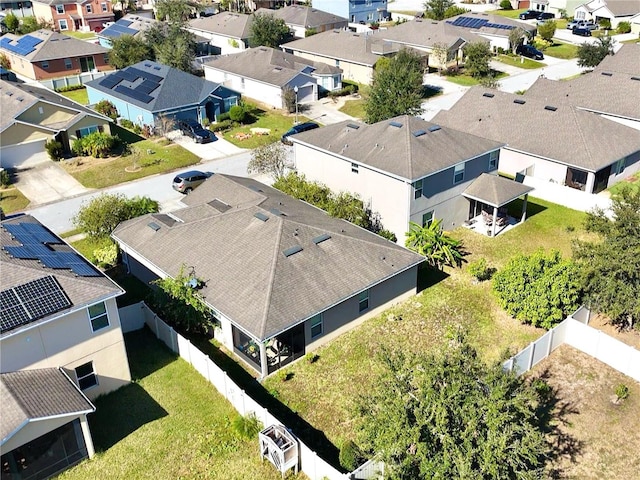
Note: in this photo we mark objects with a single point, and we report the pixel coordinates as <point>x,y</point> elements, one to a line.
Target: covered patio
<point>489,196</point>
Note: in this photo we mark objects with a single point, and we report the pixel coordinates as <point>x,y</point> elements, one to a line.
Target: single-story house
<point>61,346</point>
<point>281,276</point>
<point>615,11</point>
<point>146,90</point>
<point>74,15</point>
<point>265,73</point>
<point>227,32</point>
<point>557,7</point>
<point>405,168</point>
<point>494,28</point>
<point>302,19</point>
<point>45,54</point>
<point>552,141</point>
<point>131,24</point>
<point>355,53</point>
<point>33,115</point>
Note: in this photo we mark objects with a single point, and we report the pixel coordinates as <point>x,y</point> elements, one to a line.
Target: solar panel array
<point>150,82</point>
<point>135,94</point>
<point>469,22</point>
<point>118,29</point>
<point>35,240</point>
<point>22,46</point>
<point>31,301</point>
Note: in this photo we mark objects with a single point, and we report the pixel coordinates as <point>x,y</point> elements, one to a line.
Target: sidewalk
<point>326,111</point>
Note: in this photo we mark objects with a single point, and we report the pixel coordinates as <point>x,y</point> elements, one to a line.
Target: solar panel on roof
<point>41,233</point>
<point>53,261</point>
<point>127,75</point>
<point>142,97</point>
<point>8,298</point>
<point>20,252</point>
<point>145,75</point>
<point>84,270</point>
<point>13,317</point>
<point>39,249</point>
<point>110,81</point>
<point>147,86</point>
<point>70,257</point>
<point>123,22</point>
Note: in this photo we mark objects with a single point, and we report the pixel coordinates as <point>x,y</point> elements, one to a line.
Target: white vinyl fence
<point>134,317</point>
<point>79,79</point>
<point>574,331</point>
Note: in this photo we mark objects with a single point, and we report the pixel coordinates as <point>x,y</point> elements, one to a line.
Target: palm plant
<point>434,244</point>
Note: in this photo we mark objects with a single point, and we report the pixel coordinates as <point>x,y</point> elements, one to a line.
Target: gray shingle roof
<point>397,150</point>
<point>248,277</point>
<point>626,60</point>
<point>567,135</point>
<point>55,45</point>
<point>81,291</point>
<point>427,33</point>
<point>36,394</point>
<point>177,88</point>
<point>302,16</point>
<point>494,190</point>
<point>268,65</point>
<point>229,24</point>
<point>340,44</point>
<point>15,98</point>
<point>623,8</point>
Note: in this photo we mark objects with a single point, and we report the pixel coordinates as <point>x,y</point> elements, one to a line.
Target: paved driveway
<point>206,151</point>
<point>47,182</point>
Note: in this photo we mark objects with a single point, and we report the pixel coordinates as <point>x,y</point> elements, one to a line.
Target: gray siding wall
<point>631,167</point>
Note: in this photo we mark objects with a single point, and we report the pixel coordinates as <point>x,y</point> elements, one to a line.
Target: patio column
<point>524,207</point>
<point>264,368</point>
<point>86,433</point>
<point>495,219</point>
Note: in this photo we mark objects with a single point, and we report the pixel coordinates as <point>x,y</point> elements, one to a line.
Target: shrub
<point>96,144</point>
<point>224,116</point>
<point>221,126</point>
<point>106,108</point>
<point>70,88</point>
<point>5,178</point>
<point>506,5</point>
<point>106,256</point>
<point>622,392</point>
<point>54,149</point>
<point>206,122</point>
<point>237,114</point>
<point>452,71</point>
<point>481,270</point>
<point>4,61</point>
<point>605,23</point>
<point>624,27</point>
<point>350,455</point>
<point>137,129</point>
<point>246,427</point>
<point>126,123</point>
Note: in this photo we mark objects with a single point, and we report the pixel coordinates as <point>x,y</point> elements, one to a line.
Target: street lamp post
<point>295,89</point>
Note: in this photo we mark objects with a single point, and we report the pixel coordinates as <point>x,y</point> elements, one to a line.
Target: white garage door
<point>23,155</point>
<point>305,94</point>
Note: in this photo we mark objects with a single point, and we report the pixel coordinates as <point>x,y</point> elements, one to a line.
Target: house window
<point>63,25</point>
<point>60,9</point>
<point>458,173</point>
<point>316,326</point>
<point>427,219</point>
<point>67,64</point>
<point>44,64</point>
<point>353,17</point>
<point>105,58</point>
<point>103,5</point>
<point>417,189</point>
<point>370,17</point>
<point>98,316</point>
<point>89,9</point>
<point>83,132</point>
<point>493,160</point>
<point>86,376</point>
<point>363,301</point>
<point>354,168</point>
<point>620,166</point>
<point>337,63</point>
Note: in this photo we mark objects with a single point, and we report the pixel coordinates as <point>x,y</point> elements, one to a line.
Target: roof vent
<point>147,65</point>
<point>550,108</point>
<point>156,68</point>
<point>488,95</point>
<point>353,125</point>
<point>261,216</point>
<point>395,124</point>
<point>254,188</point>
<point>519,101</point>
<point>606,74</point>
<point>276,212</point>
<point>434,128</point>
<point>419,133</point>
<point>153,226</point>
<point>291,251</point>
<point>635,78</point>
<point>277,69</point>
<point>321,238</point>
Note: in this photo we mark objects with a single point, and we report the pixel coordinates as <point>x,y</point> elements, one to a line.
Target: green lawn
<point>562,50</point>
<point>80,35</point>
<point>468,81</point>
<point>79,96</point>
<point>12,200</point>
<point>169,423</point>
<point>509,13</point>
<point>632,182</point>
<point>355,108</point>
<point>520,62</point>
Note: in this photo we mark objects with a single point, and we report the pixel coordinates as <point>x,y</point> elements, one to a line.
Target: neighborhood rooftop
<point>262,259</point>
<point>229,24</point>
<point>130,24</point>
<point>625,60</point>
<point>428,33</point>
<point>495,190</point>
<point>303,16</point>
<point>406,146</point>
<point>44,45</point>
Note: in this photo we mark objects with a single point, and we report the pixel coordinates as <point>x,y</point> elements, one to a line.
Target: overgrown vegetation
<point>96,144</point>
<point>434,244</point>
<point>268,31</point>
<point>591,54</point>
<point>54,150</point>
<point>107,108</point>
<point>271,159</point>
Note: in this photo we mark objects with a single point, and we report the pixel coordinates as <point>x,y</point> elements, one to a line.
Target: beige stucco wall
<point>69,342</point>
<point>47,114</point>
<point>20,133</point>
<point>87,121</point>
<point>350,71</point>
<point>41,10</point>
<point>19,65</point>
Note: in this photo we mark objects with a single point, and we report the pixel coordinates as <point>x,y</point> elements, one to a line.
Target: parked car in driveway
<point>528,15</point>
<point>193,129</point>
<point>583,32</point>
<point>529,51</point>
<point>544,16</point>
<point>302,127</point>
<point>185,182</point>
<point>588,24</point>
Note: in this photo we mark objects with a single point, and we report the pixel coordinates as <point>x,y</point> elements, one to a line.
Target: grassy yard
<point>12,200</point>
<point>87,245</point>
<point>562,50</point>
<point>468,81</point>
<point>80,96</point>
<point>509,13</point>
<point>632,182</point>
<point>520,62</point>
<point>169,423</point>
<point>80,35</point>
<point>355,108</point>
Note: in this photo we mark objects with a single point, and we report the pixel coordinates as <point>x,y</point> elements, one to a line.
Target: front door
<point>87,64</point>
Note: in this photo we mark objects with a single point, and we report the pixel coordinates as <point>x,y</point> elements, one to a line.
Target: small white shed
<point>280,447</point>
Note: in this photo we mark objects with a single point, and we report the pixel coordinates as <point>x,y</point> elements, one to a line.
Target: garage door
<point>23,155</point>
<point>305,94</point>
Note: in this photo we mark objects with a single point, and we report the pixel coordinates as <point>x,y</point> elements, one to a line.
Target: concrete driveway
<point>206,151</point>
<point>47,182</point>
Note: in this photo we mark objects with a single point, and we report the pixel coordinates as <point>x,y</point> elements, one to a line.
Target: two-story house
<point>83,16</point>
<point>61,346</point>
<point>227,32</point>
<point>357,11</point>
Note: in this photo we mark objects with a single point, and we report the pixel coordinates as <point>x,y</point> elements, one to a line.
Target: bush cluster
<point>481,270</point>
<point>345,90</point>
<point>106,108</point>
<point>70,88</point>
<point>96,144</point>
<point>246,427</point>
<point>5,178</point>
<point>54,149</point>
<point>351,456</point>
<point>624,27</point>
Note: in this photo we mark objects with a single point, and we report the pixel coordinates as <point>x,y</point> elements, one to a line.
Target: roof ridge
<point>272,274</point>
<point>574,113</point>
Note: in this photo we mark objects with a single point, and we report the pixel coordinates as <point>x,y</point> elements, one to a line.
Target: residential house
<point>81,15</point>
<point>131,24</point>
<point>147,90</point>
<point>357,11</point>
<point>265,74</point>
<point>615,11</point>
<point>553,142</point>
<point>557,7</point>
<point>494,28</point>
<point>405,168</point>
<point>519,4</point>
<point>61,346</point>
<point>611,90</point>
<point>302,19</point>
<point>19,9</point>
<point>33,115</point>
<point>281,276</point>
<point>355,53</point>
<point>227,32</point>
<point>44,55</point>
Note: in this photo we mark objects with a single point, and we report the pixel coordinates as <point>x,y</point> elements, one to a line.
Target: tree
<point>540,289</point>
<point>610,267</point>
<point>506,5</point>
<point>455,10</point>
<point>4,61</point>
<point>436,9</point>
<point>174,11</point>
<point>172,45</point>
<point>434,244</point>
<point>590,55</point>
<point>31,24</point>
<point>271,159</point>
<point>106,108</point>
<point>547,30</point>
<point>440,52</point>
<point>396,89</point>
<point>128,50</point>
<point>11,22</point>
<point>515,38</point>
<point>477,57</point>
<point>448,415</point>
<point>268,31</point>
